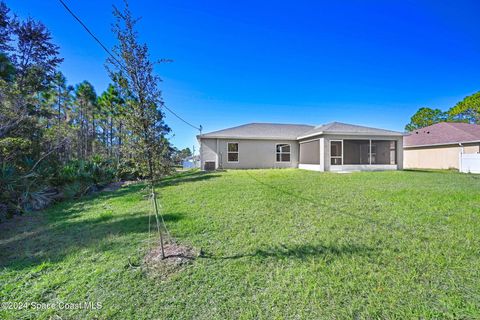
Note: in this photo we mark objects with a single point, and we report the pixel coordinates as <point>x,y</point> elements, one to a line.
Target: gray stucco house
<point>331,147</point>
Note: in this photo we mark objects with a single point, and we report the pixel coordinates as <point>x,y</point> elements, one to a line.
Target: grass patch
<point>275,243</point>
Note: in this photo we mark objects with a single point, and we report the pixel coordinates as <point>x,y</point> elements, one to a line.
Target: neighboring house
<point>191,162</point>
<point>331,147</point>
<point>439,146</point>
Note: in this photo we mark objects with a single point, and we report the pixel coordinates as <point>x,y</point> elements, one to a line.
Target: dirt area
<point>176,257</point>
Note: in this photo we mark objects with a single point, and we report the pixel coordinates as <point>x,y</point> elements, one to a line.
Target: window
<point>283,152</point>
<point>232,154</point>
<point>336,153</point>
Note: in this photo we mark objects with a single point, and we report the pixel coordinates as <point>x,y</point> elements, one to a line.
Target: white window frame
<point>237,152</point>
<point>336,157</point>
<point>289,153</point>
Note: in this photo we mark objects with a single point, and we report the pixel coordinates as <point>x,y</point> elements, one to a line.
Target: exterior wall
<point>436,157</point>
<point>471,148</point>
<point>312,167</point>
<point>326,153</point>
<point>364,167</point>
<point>252,154</point>
<point>208,152</point>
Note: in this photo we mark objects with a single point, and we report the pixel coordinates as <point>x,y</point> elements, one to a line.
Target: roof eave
<point>310,135</point>
<point>246,138</point>
<point>440,144</point>
<point>387,134</point>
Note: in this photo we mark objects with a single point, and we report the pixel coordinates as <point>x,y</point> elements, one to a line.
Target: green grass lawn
<point>277,244</point>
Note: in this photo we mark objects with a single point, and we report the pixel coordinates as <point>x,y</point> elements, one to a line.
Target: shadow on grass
<point>432,170</point>
<point>52,244</point>
<point>184,177</point>
<point>136,187</point>
<point>301,252</point>
<point>59,232</point>
<point>53,238</point>
<point>75,207</point>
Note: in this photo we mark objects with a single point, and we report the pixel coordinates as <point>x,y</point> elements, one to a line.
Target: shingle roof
<point>443,133</point>
<point>345,128</point>
<point>261,130</point>
<point>294,131</point>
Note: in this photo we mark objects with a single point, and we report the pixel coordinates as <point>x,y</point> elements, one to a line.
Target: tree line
<point>59,141</point>
<point>467,110</point>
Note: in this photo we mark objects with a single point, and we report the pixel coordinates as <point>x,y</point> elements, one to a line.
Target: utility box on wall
<point>209,165</point>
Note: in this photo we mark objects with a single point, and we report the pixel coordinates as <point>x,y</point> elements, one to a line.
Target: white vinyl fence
<point>470,162</point>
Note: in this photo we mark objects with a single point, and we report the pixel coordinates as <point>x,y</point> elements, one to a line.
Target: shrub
<point>79,177</point>
<point>35,190</point>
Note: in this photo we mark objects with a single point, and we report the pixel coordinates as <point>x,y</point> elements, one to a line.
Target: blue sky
<point>364,62</point>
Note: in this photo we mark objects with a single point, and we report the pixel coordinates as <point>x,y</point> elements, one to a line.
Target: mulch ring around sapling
<point>177,256</point>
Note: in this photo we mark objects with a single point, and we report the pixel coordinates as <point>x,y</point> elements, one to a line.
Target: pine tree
<point>86,101</point>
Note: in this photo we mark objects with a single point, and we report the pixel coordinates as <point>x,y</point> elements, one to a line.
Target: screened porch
<point>348,154</point>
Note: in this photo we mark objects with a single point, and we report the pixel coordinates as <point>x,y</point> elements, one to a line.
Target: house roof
<point>261,131</point>
<point>294,131</point>
<point>443,133</point>
<point>345,128</point>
